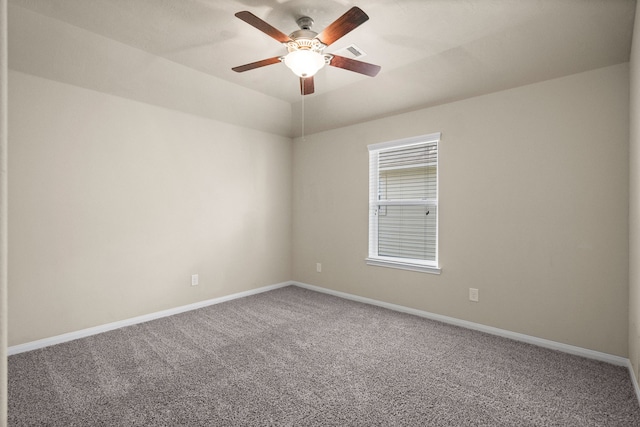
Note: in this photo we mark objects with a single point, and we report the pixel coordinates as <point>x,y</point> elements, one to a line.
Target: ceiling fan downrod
<point>304,22</point>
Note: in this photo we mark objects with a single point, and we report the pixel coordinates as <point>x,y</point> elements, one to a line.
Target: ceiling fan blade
<point>353,65</point>
<point>306,85</point>
<point>261,25</point>
<point>257,64</point>
<point>352,19</point>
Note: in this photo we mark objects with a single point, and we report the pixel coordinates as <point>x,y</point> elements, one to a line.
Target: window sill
<point>403,265</point>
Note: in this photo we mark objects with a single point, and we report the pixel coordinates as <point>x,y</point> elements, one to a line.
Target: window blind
<point>403,212</point>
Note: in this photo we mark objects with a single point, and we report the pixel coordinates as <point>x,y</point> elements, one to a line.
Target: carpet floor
<point>294,357</point>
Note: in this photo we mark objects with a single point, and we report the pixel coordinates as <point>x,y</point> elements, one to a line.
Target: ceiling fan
<point>305,47</point>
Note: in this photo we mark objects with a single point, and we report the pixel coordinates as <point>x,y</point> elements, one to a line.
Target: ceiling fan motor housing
<point>305,40</point>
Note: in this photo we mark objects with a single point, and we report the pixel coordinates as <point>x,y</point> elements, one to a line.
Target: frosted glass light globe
<point>304,63</point>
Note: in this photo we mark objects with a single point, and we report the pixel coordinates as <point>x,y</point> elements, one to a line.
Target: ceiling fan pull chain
<point>303,140</point>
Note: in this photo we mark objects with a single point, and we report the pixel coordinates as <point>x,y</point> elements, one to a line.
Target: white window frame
<point>374,204</point>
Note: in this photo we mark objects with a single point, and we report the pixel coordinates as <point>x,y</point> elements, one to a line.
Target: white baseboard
<point>541,342</point>
<point>636,387</point>
<point>58,339</point>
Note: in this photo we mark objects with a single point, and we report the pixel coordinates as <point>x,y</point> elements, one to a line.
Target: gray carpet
<point>295,357</point>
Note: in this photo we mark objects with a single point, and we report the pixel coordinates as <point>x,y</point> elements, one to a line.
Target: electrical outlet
<point>473,294</point>
<point>319,267</point>
<point>195,280</point>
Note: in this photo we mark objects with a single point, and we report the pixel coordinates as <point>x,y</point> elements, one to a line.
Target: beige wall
<point>634,203</point>
<point>533,210</point>
<point>115,203</point>
<point>3,213</point>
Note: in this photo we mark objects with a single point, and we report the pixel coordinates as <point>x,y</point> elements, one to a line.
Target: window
<point>403,204</point>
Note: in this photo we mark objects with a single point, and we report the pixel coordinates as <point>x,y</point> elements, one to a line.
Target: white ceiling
<point>431,51</point>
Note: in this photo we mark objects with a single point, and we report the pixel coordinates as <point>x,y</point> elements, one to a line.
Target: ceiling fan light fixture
<point>305,47</point>
<point>304,62</point>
